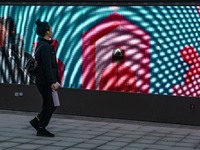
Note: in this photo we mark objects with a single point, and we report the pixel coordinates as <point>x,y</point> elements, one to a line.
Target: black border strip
<point>103,2</point>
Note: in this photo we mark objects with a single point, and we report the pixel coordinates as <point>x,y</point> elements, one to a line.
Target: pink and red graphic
<point>118,77</point>
<point>99,72</point>
<point>191,86</point>
<point>61,66</point>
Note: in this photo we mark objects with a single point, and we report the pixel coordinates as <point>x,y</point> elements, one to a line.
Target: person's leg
<point>42,119</point>
<point>35,123</point>
<point>47,107</point>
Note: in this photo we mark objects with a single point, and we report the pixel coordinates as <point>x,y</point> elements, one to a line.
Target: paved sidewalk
<point>87,133</point>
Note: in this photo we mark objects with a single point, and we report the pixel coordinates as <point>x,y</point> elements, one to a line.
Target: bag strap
<point>38,47</point>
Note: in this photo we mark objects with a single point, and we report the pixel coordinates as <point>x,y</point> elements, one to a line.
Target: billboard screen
<point>138,49</point>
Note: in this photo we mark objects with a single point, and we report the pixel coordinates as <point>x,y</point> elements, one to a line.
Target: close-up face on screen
<point>138,49</point>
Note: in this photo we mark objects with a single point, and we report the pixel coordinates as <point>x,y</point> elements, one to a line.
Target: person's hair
<point>9,24</point>
<point>42,27</point>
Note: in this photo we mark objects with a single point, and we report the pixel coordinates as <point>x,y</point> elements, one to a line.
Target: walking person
<point>47,78</point>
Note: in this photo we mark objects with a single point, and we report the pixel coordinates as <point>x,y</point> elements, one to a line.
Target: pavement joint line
<point>106,142</point>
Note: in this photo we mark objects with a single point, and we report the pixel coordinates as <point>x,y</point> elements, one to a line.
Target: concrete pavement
<point>89,133</point>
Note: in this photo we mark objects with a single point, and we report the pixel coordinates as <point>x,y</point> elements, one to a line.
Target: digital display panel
<point>138,49</point>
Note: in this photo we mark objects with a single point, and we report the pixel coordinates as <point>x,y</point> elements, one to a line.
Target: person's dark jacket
<point>47,70</point>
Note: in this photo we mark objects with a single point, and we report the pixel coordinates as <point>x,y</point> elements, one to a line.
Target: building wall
<point>145,107</point>
<point>158,79</point>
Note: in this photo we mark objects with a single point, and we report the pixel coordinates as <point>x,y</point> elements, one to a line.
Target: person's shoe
<point>34,122</point>
<point>44,132</point>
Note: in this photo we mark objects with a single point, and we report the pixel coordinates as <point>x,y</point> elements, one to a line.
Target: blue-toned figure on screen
<point>12,55</point>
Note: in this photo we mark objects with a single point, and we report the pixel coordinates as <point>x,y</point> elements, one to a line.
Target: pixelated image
<point>135,49</point>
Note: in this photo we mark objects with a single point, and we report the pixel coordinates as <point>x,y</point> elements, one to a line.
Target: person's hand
<point>55,86</point>
<point>52,86</point>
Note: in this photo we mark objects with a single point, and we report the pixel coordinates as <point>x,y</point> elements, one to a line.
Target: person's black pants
<point>47,107</point>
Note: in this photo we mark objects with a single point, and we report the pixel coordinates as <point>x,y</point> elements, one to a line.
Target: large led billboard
<point>139,49</point>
